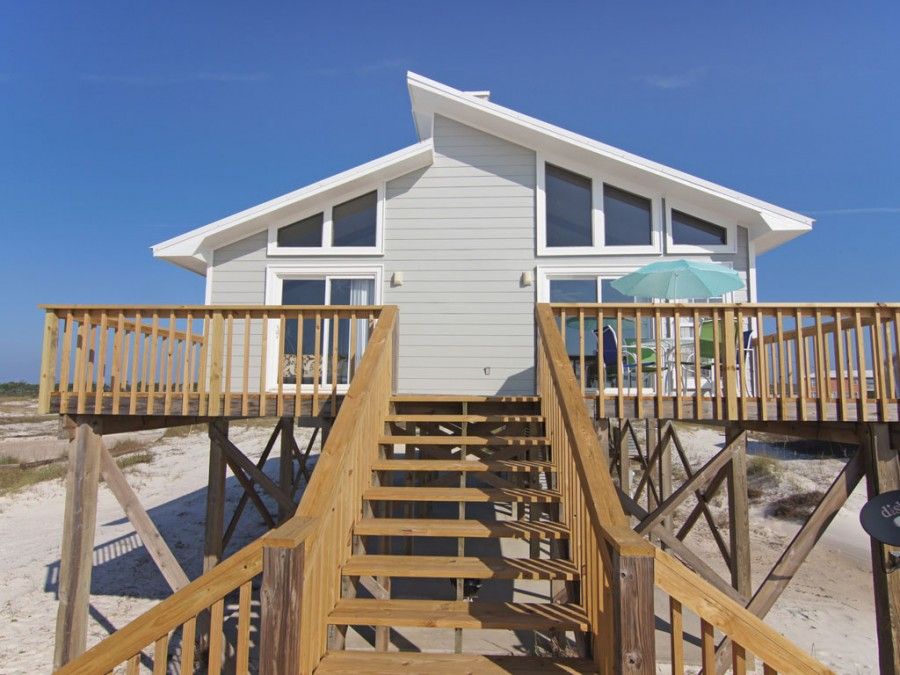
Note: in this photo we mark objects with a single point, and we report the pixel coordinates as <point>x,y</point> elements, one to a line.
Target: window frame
<point>687,208</point>
<point>598,180</point>
<point>327,247</point>
<point>276,274</point>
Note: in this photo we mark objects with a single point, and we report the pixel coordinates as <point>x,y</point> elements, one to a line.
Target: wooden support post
<point>282,584</point>
<point>47,380</point>
<point>738,511</point>
<point>76,558</point>
<point>215,497</point>
<point>883,475</point>
<point>633,613</point>
<point>286,465</point>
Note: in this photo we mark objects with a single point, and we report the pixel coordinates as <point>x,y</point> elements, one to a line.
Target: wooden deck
<point>693,362</point>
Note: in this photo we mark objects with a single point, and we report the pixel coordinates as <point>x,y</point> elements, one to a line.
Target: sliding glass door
<point>306,362</point>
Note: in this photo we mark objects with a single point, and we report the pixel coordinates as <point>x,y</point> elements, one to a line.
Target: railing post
<point>48,360</point>
<point>281,599</point>
<point>730,366</point>
<point>216,342</point>
<point>633,612</point>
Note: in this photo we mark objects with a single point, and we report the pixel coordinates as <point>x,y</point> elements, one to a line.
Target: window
<point>291,285</point>
<point>568,204</point>
<point>578,213</point>
<point>351,227</point>
<point>627,218</point>
<point>303,233</point>
<point>354,222</point>
<point>693,231</point>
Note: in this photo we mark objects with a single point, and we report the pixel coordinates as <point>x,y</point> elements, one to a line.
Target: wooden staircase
<point>456,475</point>
<point>424,513</point>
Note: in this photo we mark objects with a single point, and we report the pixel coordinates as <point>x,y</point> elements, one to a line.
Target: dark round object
<point>880,517</point>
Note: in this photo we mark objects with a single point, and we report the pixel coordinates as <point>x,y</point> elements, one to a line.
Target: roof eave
<point>191,244</point>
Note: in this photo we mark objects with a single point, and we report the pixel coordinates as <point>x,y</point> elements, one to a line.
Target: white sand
<point>827,609</point>
<point>125,580</point>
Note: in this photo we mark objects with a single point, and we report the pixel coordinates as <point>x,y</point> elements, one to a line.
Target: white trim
<point>327,247</point>
<point>207,292</point>
<point>598,217</point>
<point>544,274</point>
<point>729,226</point>
<point>184,249</point>
<point>751,272</point>
<point>275,275</point>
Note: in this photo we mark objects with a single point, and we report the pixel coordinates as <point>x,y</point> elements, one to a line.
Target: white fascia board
<point>190,245</point>
<point>429,97</point>
<point>775,231</point>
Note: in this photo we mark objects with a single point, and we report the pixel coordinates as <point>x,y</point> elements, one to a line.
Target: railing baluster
<point>601,367</point>
<point>317,363</point>
<point>202,402</point>
<point>639,358</point>
<point>298,368</point>
<point>242,656</point>
<point>698,374</point>
<point>839,364</point>
<point>217,614</point>
<point>187,374</point>
<point>171,346</point>
<point>707,646</point>
<point>862,378</point>
<point>229,357</point>
<point>762,366</point>
<point>161,655</point>
<point>264,366</point>
<point>658,362</point>
<point>782,368</point>
<point>676,628</point>
<point>116,373</point>
<point>279,401</point>
<point>802,375</point>
<point>335,328</point>
<point>245,374</point>
<point>581,375</point>
<point>154,346</point>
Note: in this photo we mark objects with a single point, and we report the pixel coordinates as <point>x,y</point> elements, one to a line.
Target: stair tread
<point>457,419</point>
<point>444,527</point>
<point>525,441</point>
<point>458,614</point>
<point>512,465</point>
<point>350,662</point>
<point>467,398</point>
<point>457,494</point>
<point>458,567</point>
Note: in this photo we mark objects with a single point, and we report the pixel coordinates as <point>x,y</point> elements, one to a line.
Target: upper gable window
<point>693,231</point>
<point>578,213</point>
<point>568,204</point>
<point>350,227</point>
<point>354,223</point>
<point>305,233</point>
<point>627,218</point>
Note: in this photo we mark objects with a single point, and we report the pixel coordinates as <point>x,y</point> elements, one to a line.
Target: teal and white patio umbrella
<point>679,280</point>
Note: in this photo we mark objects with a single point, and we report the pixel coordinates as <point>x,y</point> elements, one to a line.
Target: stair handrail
<point>571,431</point>
<point>180,609</point>
<point>303,536</point>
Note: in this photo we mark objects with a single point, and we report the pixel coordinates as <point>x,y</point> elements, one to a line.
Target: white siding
<point>462,231</point>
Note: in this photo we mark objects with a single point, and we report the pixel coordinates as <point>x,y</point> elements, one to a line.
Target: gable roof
<point>192,249</point>
<point>770,225</point>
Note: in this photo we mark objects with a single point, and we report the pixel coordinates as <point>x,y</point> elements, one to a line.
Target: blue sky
<point>122,124</point>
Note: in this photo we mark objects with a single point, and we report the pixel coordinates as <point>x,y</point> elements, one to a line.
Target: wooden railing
<point>200,360</point>
<point>300,561</point>
<point>619,569</point>
<point>807,362</point>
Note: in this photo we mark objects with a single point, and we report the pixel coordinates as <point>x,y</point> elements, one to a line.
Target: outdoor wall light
<point>397,279</point>
<point>527,278</point>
